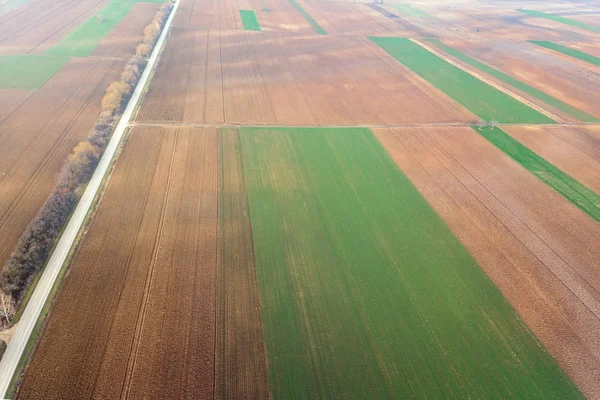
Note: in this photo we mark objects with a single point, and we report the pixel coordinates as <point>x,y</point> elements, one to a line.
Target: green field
<point>569,188</point>
<point>538,94</point>
<point>563,20</point>
<point>480,98</point>
<point>409,10</point>
<point>27,71</point>
<point>307,17</point>
<point>568,51</point>
<point>249,20</point>
<point>11,5</point>
<point>83,40</point>
<point>365,292</point>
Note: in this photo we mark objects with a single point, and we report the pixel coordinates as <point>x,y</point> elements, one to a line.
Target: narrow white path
<point>31,314</point>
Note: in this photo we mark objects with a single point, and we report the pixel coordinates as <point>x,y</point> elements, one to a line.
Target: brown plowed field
<point>123,39</point>
<point>352,19</point>
<point>536,246</point>
<point>264,78</point>
<point>37,25</point>
<point>240,365</point>
<point>282,16</point>
<point>136,314</point>
<point>38,136</point>
<point>11,99</point>
<point>209,14</point>
<point>558,76</point>
<point>571,156</point>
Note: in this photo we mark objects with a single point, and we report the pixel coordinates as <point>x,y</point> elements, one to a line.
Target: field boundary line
<point>178,124</point>
<point>17,345</point>
<point>489,82</point>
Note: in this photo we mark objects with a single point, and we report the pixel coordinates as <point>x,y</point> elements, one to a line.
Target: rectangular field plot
<point>136,314</point>
<point>240,77</point>
<point>39,24</point>
<point>556,75</point>
<point>39,133</point>
<point>364,290</point>
<point>537,247</point>
<point>482,99</point>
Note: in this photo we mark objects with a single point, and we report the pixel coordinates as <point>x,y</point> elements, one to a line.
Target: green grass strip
<point>563,20</point>
<point>310,19</point>
<point>249,20</point>
<point>409,10</point>
<point>568,51</point>
<point>480,98</point>
<point>83,40</point>
<point>365,292</point>
<point>11,5</point>
<point>28,71</point>
<point>538,94</point>
<point>569,188</point>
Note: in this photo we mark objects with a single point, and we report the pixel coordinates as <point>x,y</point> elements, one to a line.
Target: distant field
<point>245,77</point>
<point>538,94</point>
<point>568,51</point>
<point>83,40</point>
<point>480,98</point>
<point>249,20</point>
<point>409,10</point>
<point>355,299</point>
<point>558,18</point>
<point>28,72</point>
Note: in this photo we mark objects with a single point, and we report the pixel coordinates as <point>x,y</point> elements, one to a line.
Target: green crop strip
<point>365,292</point>
<point>28,71</point>
<point>538,94</point>
<point>409,10</point>
<point>249,20</point>
<point>480,98</point>
<point>568,51</point>
<point>83,40</point>
<point>11,5</point>
<point>563,20</point>
<point>310,19</point>
<point>569,188</point>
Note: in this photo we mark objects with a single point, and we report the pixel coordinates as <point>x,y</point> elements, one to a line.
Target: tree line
<point>36,243</point>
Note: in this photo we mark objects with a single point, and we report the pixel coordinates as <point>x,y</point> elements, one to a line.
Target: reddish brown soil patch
<point>136,314</point>
<point>243,77</point>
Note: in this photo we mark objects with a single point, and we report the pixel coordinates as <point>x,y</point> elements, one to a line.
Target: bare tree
<point>481,123</point>
<point>7,306</point>
<point>493,124</point>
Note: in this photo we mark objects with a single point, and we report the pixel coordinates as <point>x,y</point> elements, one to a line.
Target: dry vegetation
<point>35,244</point>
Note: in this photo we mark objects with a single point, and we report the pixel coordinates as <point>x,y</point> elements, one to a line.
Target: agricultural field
<point>568,87</point>
<point>316,199</point>
<point>245,77</point>
<point>50,92</point>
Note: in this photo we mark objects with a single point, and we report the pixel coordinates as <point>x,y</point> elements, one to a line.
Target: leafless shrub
<point>34,246</point>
